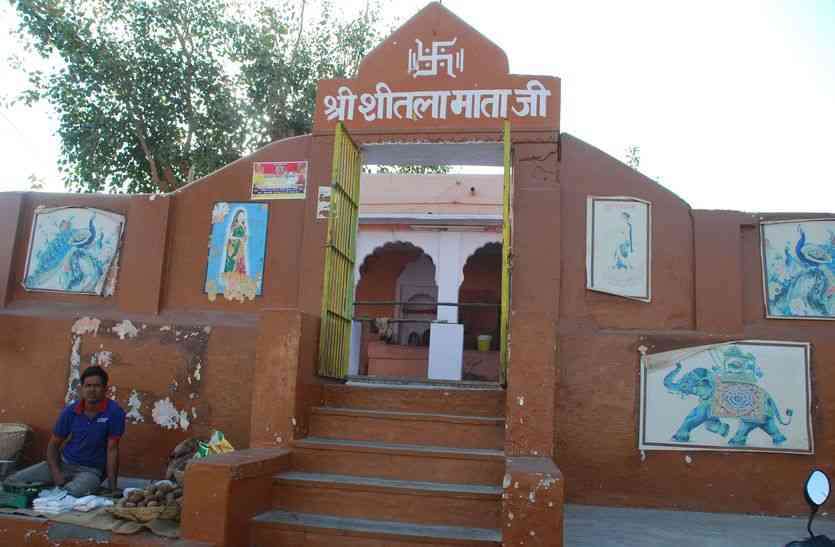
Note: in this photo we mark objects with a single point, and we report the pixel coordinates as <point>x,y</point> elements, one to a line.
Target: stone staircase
<point>393,464</point>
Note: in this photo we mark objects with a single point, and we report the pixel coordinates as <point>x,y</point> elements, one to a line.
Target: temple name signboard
<point>386,104</point>
<point>437,72</point>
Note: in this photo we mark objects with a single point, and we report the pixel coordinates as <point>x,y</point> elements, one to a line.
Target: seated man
<point>89,430</point>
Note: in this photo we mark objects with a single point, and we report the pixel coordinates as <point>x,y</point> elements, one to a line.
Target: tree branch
<point>187,46</point>
<point>139,131</point>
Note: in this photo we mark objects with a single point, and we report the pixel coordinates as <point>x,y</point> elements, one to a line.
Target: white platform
<point>446,351</point>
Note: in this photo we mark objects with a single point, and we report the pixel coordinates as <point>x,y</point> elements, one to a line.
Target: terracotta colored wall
<point>160,290</point>
<point>707,287</point>
<point>156,364</point>
<point>532,379</point>
<point>585,171</point>
<point>10,207</point>
<point>573,383</point>
<point>191,223</point>
<point>285,385</point>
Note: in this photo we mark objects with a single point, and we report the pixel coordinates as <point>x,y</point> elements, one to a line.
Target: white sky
<point>731,103</point>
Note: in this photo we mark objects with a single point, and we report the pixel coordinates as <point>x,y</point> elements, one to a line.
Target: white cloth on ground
<point>88,503</point>
<point>54,501</point>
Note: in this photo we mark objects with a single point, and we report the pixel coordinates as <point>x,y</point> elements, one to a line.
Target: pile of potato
<point>156,495</point>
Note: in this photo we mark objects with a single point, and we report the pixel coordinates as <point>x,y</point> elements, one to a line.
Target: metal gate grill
<point>506,254</point>
<point>340,253</point>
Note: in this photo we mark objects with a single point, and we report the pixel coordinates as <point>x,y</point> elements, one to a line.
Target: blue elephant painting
<point>729,403</point>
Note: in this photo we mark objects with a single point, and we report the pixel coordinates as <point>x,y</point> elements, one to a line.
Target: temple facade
<point>445,359</point>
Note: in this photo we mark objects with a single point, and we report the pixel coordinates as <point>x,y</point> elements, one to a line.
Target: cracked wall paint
<point>543,484</point>
<point>219,212</point>
<point>237,287</point>
<point>166,415</point>
<point>86,325</point>
<point>74,378</point>
<point>112,276</point>
<point>134,414</point>
<point>125,329</point>
<point>102,358</point>
<point>189,342</point>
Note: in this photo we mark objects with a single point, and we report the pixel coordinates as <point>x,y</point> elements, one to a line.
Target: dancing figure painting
<point>618,246</point>
<point>799,269</point>
<point>237,245</point>
<point>744,396</point>
<point>74,250</point>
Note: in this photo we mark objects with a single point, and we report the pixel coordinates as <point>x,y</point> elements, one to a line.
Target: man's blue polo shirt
<point>88,437</point>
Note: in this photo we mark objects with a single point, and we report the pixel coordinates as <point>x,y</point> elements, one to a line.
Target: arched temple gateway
<point>634,351</point>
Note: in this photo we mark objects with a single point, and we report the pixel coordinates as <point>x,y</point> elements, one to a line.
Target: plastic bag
<point>54,501</point>
<point>217,445</point>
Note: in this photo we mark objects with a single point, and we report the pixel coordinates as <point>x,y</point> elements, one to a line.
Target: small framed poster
<point>323,202</point>
<point>279,180</point>
<point>618,246</point>
<point>237,247</point>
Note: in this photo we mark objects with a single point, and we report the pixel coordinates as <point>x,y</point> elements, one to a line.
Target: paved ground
<point>588,526</point>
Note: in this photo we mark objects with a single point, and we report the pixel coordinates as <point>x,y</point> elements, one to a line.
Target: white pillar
<point>446,343</point>
<point>449,274</point>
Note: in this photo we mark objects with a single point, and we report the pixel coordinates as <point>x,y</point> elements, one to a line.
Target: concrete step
<point>312,530</point>
<point>408,427</point>
<point>357,380</point>
<point>423,502</point>
<point>398,461</point>
<point>417,397</point>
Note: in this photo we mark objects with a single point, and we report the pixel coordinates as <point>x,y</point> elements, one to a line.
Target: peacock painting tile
<point>799,269</point>
<point>74,250</point>
<point>750,395</point>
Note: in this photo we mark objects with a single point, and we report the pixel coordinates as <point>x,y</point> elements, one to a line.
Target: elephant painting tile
<point>750,395</point>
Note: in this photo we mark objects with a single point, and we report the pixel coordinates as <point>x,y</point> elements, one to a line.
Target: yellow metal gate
<point>340,256</point>
<point>506,254</point>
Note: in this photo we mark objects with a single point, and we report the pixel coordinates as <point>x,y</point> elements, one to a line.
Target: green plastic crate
<point>19,497</point>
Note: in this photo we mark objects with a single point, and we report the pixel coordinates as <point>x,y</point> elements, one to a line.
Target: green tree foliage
<point>633,156</point>
<point>151,94</point>
<point>282,55</point>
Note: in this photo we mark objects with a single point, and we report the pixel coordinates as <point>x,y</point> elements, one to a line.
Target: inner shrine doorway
<point>448,242</point>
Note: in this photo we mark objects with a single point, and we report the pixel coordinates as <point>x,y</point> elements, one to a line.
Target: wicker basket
<point>12,437</point>
<point>146,514</point>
